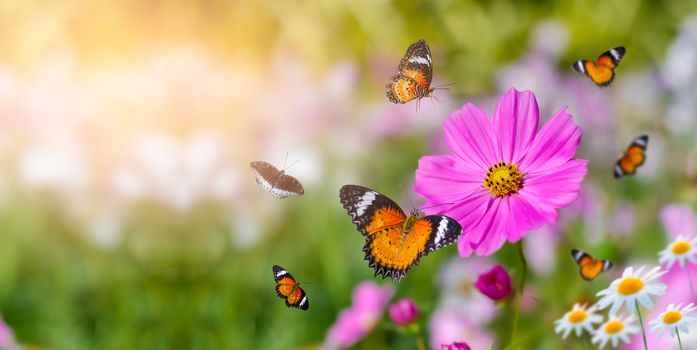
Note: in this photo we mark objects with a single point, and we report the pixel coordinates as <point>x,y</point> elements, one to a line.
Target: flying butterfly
<point>413,81</point>
<point>289,289</point>
<point>602,70</point>
<point>632,158</point>
<point>395,241</point>
<point>589,268</point>
<point>275,181</point>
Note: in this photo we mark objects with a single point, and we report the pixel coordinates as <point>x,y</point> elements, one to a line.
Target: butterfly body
<point>602,70</point>
<point>395,241</point>
<point>632,158</point>
<point>589,268</point>
<point>289,289</point>
<point>275,181</point>
<point>413,81</point>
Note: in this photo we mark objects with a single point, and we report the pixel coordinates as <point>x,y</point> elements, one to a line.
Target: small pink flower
<point>7,337</point>
<point>403,312</point>
<point>496,284</point>
<point>455,346</point>
<point>679,220</point>
<point>504,176</point>
<point>369,302</point>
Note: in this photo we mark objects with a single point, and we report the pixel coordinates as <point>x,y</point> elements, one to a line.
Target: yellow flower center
<point>614,327</point>
<point>671,317</point>
<point>577,316</point>
<point>503,179</point>
<point>630,285</point>
<point>682,247</point>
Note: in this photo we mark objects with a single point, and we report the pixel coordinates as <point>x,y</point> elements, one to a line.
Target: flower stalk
<point>521,288</point>
<point>641,323</point>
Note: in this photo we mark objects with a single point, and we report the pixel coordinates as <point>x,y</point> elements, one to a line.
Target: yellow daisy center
<point>630,285</point>
<point>613,327</point>
<point>503,179</point>
<point>681,247</point>
<point>577,316</point>
<point>671,317</point>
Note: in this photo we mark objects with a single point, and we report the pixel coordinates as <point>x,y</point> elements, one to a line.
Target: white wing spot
<point>303,301</point>
<point>420,60</point>
<point>616,55</point>
<point>440,233</point>
<point>365,201</point>
<point>281,273</point>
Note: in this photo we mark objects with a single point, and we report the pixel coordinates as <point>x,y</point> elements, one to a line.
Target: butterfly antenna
<point>443,87</point>
<point>436,205</point>
<point>404,192</point>
<point>295,162</point>
<point>285,161</point>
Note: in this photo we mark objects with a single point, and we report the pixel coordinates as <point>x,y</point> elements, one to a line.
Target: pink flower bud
<point>496,284</point>
<point>455,346</point>
<point>403,312</point>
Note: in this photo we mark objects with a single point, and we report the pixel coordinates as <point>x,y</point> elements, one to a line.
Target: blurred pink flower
<point>455,346</point>
<point>403,312</point>
<point>504,176</point>
<point>447,326</point>
<point>624,220</point>
<point>369,302</point>
<point>456,281</point>
<point>679,220</point>
<point>496,283</point>
<point>541,249</point>
<point>7,337</point>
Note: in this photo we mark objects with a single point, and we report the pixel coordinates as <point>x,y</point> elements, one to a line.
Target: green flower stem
<point>641,322</point>
<point>521,288</point>
<point>677,332</point>
<point>420,344</point>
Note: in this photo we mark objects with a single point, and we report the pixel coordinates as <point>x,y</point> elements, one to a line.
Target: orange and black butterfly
<point>602,70</point>
<point>275,181</point>
<point>633,158</point>
<point>589,268</point>
<point>414,78</point>
<point>395,241</point>
<point>287,288</point>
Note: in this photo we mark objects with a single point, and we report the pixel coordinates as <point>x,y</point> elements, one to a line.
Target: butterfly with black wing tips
<point>413,81</point>
<point>275,181</point>
<point>602,70</point>
<point>395,241</point>
<point>289,289</point>
<point>632,158</point>
<point>589,268</point>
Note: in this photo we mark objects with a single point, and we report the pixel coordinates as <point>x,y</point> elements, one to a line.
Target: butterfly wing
<point>287,288</point>
<point>370,211</point>
<point>276,182</point>
<point>612,58</point>
<point>415,74</point>
<point>589,268</point>
<point>633,157</point>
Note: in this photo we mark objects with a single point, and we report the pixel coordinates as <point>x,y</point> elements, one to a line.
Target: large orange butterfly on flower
<point>289,289</point>
<point>394,241</point>
<point>413,81</point>
<point>633,157</point>
<point>602,70</point>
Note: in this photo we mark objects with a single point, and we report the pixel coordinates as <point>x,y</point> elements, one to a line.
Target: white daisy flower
<point>615,329</point>
<point>674,319</point>
<point>632,287</point>
<point>680,250</point>
<point>578,319</point>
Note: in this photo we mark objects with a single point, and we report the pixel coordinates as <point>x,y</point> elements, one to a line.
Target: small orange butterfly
<point>602,70</point>
<point>289,289</point>
<point>633,157</point>
<point>414,78</point>
<point>589,268</point>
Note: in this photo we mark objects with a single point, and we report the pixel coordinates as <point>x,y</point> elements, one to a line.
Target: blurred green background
<point>129,218</point>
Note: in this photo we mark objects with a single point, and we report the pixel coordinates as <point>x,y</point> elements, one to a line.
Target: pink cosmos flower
<point>455,346</point>
<point>403,312</point>
<point>369,302</point>
<point>505,177</point>
<point>496,283</point>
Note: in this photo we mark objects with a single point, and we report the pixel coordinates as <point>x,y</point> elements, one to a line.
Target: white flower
<point>578,319</point>
<point>680,250</point>
<point>614,330</point>
<point>674,319</point>
<point>632,287</point>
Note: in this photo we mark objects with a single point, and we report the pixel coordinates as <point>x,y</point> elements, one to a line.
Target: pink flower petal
<point>557,187</point>
<point>515,123</point>
<point>555,144</point>
<point>470,136</point>
<point>527,216</point>
<point>444,179</point>
<point>474,236</point>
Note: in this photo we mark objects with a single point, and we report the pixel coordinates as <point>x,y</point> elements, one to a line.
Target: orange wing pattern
<point>289,289</point>
<point>633,157</point>
<point>413,81</point>
<point>589,268</point>
<point>394,241</point>
<point>602,70</point>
